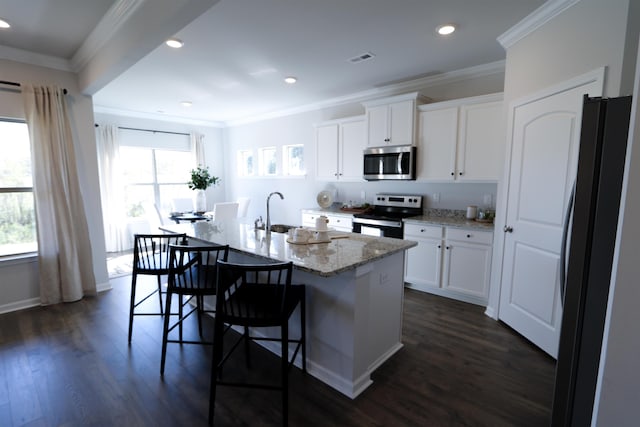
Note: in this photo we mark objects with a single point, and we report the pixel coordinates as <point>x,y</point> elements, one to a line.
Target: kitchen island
<point>355,291</point>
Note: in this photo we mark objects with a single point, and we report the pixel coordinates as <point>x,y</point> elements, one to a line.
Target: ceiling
<point>237,52</point>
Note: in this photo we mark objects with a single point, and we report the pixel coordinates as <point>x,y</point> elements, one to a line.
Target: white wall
<point>301,193</point>
<point>19,281</point>
<point>586,36</point>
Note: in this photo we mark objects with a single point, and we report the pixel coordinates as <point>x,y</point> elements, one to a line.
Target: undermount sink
<point>279,228</point>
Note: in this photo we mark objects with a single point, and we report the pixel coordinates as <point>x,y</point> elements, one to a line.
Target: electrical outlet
<point>436,197</point>
<point>487,199</point>
<point>363,195</point>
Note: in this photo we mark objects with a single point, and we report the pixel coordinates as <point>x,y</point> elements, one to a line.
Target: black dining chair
<point>257,296</point>
<point>192,274</point>
<point>150,258</point>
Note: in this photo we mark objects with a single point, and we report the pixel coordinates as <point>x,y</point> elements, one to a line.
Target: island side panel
<point>354,322</point>
<point>384,307</point>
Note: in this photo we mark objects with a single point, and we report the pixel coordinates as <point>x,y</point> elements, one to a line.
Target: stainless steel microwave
<point>390,162</point>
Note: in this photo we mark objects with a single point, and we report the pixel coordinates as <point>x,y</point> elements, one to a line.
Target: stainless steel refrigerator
<point>592,235</point>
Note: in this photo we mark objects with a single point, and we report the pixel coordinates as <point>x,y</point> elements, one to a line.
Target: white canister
<point>472,211</point>
<point>321,223</point>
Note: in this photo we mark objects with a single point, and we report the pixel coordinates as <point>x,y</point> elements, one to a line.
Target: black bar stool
<point>192,273</point>
<point>257,295</point>
<point>150,258</point>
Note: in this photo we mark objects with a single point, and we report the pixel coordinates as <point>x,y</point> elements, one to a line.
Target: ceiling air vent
<point>362,57</point>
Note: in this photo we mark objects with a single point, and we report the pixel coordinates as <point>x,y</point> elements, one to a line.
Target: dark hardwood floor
<point>70,365</point>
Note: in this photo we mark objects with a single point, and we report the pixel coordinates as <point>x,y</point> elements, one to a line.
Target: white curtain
<point>197,148</point>
<point>64,247</point>
<point>111,188</point>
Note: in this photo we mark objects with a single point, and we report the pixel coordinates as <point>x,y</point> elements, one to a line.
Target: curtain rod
<point>4,82</point>
<point>150,130</point>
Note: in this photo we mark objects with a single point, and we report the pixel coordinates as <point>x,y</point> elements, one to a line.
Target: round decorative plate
<point>324,199</point>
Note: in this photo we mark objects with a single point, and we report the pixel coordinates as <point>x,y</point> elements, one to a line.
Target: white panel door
<point>377,125</point>
<point>467,268</point>
<point>401,119</point>
<point>545,140</point>
<point>438,136</point>
<point>327,152</point>
<point>480,154</point>
<point>352,143</point>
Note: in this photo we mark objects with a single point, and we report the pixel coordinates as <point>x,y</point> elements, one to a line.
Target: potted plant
<point>201,179</point>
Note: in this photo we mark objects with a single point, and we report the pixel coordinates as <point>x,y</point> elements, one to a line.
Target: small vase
<point>200,201</point>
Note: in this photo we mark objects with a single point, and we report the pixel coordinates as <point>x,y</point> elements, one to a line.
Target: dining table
<point>179,217</point>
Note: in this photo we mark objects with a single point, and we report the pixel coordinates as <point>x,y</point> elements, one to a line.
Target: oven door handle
<point>378,222</point>
<point>400,157</point>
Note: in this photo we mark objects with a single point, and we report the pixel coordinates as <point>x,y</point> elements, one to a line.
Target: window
<point>154,176</point>
<point>293,159</point>
<point>245,162</point>
<point>268,163</point>
<point>17,210</point>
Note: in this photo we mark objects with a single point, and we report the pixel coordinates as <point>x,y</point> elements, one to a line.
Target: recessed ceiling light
<point>445,30</point>
<point>290,80</point>
<point>175,43</point>
<point>4,24</point>
<point>186,103</point>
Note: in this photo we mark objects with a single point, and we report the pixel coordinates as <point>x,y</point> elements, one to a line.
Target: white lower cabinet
<point>423,263</point>
<point>338,222</point>
<point>449,261</point>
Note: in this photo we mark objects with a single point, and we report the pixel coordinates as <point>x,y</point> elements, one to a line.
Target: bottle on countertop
<point>472,212</point>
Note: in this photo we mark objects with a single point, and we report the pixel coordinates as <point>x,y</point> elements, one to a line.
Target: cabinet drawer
<point>339,221</point>
<point>419,230</point>
<point>472,236</point>
<point>309,219</point>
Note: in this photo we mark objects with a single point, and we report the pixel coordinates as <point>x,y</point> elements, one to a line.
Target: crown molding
<point>416,85</point>
<point>533,21</point>
<point>32,58</point>
<point>390,90</point>
<point>156,116</point>
<point>109,25</point>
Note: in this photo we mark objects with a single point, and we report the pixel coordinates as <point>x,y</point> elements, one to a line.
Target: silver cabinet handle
<point>508,229</point>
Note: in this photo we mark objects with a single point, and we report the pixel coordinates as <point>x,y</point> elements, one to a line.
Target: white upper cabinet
<point>391,121</point>
<point>339,146</point>
<point>461,140</point>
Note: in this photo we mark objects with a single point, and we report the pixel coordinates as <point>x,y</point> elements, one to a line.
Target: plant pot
<point>200,201</point>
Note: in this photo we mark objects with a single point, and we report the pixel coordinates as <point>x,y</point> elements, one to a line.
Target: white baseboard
<point>19,305</point>
<point>101,287</point>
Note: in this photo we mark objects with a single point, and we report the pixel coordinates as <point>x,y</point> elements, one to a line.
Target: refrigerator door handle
<point>565,237</point>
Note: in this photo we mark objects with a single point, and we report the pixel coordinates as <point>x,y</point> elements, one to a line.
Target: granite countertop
<point>334,209</point>
<point>346,251</point>
<point>448,218</point>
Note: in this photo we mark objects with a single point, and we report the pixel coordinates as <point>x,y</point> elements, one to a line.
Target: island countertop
<point>346,251</point>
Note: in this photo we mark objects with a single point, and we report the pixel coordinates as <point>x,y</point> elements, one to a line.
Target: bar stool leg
<point>284,363</point>
<point>160,293</point>
<point>165,334</point>
<point>134,278</point>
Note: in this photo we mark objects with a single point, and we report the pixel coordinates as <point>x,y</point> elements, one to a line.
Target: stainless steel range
<point>385,219</point>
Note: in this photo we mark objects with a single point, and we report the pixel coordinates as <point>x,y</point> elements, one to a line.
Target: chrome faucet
<point>267,227</point>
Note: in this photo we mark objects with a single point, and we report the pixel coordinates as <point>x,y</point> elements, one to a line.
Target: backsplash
<point>445,213</point>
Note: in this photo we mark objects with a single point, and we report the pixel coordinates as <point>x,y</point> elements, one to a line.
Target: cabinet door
<point>467,268</point>
<point>352,143</point>
<point>377,126</point>
<point>437,144</point>
<point>481,143</point>
<point>327,152</point>
<point>423,263</point>
<point>401,123</point>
